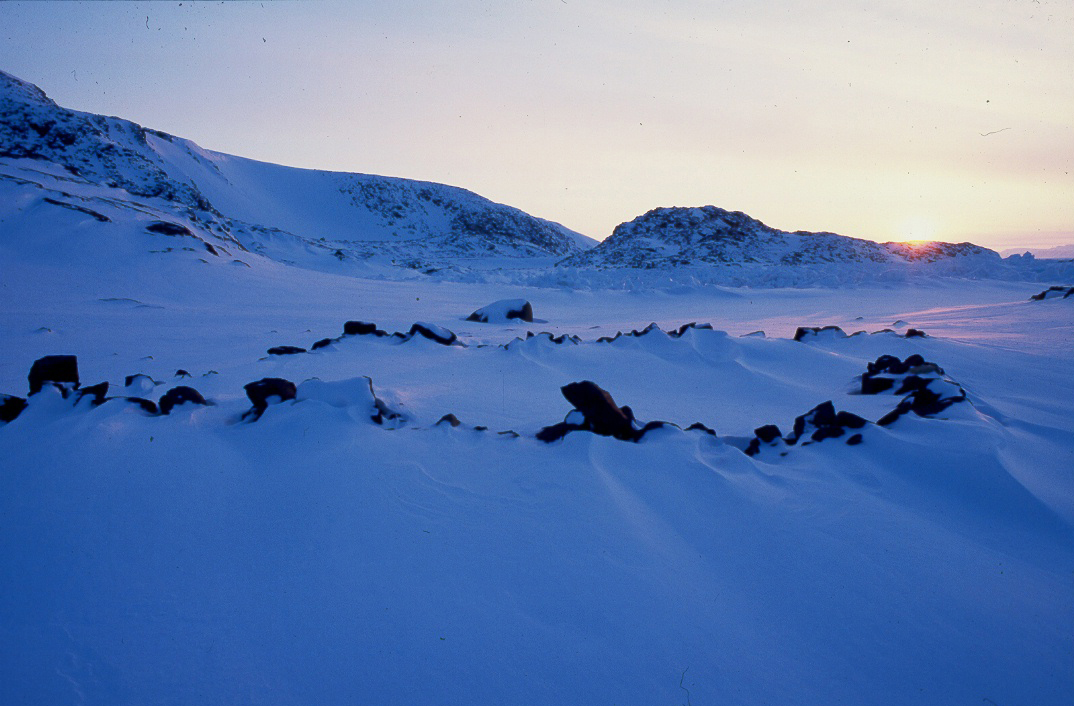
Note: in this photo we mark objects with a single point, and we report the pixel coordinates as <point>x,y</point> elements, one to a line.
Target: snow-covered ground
<point>314,556</point>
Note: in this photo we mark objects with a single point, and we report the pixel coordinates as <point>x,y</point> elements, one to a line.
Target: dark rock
<point>435,333</point>
<point>887,364</point>
<point>165,228</point>
<point>358,328</point>
<point>601,413</point>
<point>55,369</point>
<point>449,419</point>
<point>285,350</point>
<point>211,249</point>
<point>698,426</point>
<point>81,209</point>
<point>849,420</point>
<point>913,361</point>
<point>873,385</point>
<point>97,392</point>
<point>823,415</point>
<point>262,391</point>
<point>654,426</point>
<point>137,377</point>
<point>148,406</point>
<point>915,333</point>
<point>322,343</point>
<point>180,373</point>
<point>557,431</point>
<point>11,407</point>
<point>804,331</point>
<point>768,433</point>
<point>692,325</point>
<point>854,440</point>
<point>1054,292</point>
<point>179,395</point>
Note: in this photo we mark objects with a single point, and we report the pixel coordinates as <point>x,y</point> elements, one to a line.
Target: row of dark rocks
<point>437,334</point>
<point>806,332</point>
<point>926,394</point>
<point>61,373</point>
<point>446,337</point>
<point>1054,292</point>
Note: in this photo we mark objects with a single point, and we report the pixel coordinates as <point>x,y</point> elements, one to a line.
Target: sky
<point>886,119</point>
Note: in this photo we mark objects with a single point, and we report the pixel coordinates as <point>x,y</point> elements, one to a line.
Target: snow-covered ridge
<point>675,237</point>
<point>340,214</point>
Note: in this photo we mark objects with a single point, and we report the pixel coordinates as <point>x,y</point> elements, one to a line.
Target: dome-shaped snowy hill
<point>674,237</point>
<point>295,215</point>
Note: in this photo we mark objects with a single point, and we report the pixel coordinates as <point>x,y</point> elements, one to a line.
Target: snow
<point>344,547</point>
<point>316,556</point>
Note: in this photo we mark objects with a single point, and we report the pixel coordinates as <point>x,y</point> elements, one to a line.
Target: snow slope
<point>315,556</point>
<point>271,209</point>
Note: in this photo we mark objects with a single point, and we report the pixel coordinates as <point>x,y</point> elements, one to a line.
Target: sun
<point>917,229</point>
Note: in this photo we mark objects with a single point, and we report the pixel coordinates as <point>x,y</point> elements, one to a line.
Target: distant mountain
<point>300,216</point>
<point>676,237</point>
<point>1059,252</point>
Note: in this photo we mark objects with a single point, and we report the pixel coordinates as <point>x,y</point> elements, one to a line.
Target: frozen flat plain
<point>313,556</point>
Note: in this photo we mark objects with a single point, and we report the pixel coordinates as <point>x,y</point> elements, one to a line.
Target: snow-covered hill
<point>307,217</point>
<point>676,237</point>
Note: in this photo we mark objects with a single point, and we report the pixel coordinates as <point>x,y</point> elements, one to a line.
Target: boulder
<point>433,332</point>
<point>358,328</point>
<point>267,391</point>
<point>602,416</point>
<point>177,396</point>
<point>285,350</point>
<point>502,311</point>
<point>803,332</point>
<point>11,407</point>
<point>61,369</point>
<point>96,393</point>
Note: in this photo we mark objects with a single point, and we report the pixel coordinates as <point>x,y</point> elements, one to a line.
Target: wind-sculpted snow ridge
<point>447,337</point>
<point>927,394</point>
<point>270,208</point>
<point>55,385</point>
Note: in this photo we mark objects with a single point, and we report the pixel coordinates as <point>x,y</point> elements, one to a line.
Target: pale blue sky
<point>864,118</point>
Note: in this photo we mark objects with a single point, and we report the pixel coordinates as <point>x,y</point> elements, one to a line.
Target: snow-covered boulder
<point>503,311</point>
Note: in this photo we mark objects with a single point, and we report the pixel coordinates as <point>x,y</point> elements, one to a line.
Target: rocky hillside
<point>672,237</point>
<point>72,157</point>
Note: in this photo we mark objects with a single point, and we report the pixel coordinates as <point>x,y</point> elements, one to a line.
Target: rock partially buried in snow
<point>179,395</point>
<point>285,350</point>
<point>829,332</point>
<point>267,391</point>
<point>503,311</point>
<point>61,369</point>
<point>1054,292</point>
<point>358,328</point>
<point>434,333</point>
<point>11,407</point>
